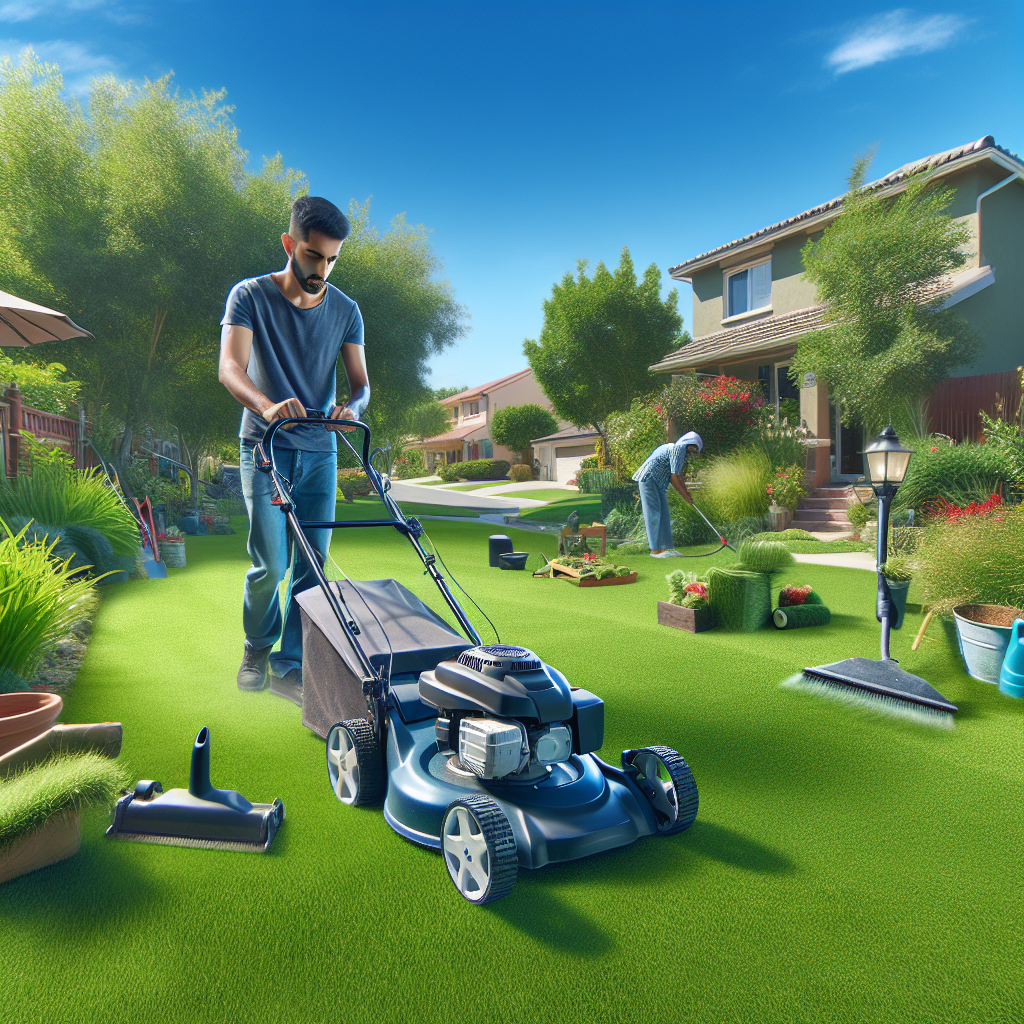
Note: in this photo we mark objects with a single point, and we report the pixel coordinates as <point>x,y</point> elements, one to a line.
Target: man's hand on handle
<point>340,412</point>
<point>284,410</point>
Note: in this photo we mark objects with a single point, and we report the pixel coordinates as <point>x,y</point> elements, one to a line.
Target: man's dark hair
<point>312,213</point>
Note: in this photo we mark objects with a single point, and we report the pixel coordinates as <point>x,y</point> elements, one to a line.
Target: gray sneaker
<point>253,673</point>
<point>288,686</point>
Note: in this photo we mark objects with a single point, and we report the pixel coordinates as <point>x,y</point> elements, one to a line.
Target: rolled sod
<point>799,615</point>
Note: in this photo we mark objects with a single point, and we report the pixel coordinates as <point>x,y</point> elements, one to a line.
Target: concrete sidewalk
<point>403,490</point>
<point>849,559</point>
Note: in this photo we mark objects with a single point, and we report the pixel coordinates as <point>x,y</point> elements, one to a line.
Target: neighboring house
<point>561,453</point>
<point>750,304</point>
<point>472,411</point>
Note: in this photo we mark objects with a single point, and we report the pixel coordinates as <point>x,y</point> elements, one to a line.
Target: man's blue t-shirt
<point>294,354</point>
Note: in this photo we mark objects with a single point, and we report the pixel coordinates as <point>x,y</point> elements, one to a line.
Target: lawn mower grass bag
<point>332,679</point>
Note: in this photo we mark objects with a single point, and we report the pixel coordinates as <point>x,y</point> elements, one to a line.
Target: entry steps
<point>825,510</point>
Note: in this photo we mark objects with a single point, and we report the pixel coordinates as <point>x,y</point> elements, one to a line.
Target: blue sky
<point>527,136</point>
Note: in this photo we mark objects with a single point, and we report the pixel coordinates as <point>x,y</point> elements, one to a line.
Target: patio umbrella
<point>24,323</point>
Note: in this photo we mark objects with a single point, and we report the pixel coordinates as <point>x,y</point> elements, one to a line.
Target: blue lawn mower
<point>480,751</point>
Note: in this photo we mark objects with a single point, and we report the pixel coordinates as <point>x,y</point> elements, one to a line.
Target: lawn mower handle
<point>264,450</point>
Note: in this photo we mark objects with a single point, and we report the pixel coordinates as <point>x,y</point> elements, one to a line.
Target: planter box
<point>781,517</point>
<point>694,620</point>
<point>59,838</point>
<point>611,581</point>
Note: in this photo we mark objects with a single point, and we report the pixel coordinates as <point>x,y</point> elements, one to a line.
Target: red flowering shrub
<point>722,410</point>
<point>943,509</point>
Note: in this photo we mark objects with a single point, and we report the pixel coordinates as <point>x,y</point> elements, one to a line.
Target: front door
<point>848,443</point>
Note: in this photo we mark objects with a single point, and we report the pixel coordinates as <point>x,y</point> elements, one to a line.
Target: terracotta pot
<point>59,838</point>
<point>25,715</point>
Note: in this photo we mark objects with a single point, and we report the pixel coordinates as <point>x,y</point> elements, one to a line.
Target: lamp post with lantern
<point>887,461</point>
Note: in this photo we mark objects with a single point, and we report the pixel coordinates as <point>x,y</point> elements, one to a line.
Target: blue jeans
<point>654,502</point>
<point>314,483</point>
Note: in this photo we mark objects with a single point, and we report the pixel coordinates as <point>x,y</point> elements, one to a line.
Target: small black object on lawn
<point>497,546</point>
<point>217,819</point>
<point>513,560</point>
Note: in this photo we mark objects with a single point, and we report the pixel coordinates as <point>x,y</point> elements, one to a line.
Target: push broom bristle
<point>856,697</point>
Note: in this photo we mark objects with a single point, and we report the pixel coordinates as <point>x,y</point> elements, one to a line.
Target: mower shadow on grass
<point>729,847</point>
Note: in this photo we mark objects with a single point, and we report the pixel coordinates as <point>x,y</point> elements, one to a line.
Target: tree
<point>886,341</point>
<point>136,220</point>
<point>430,418</point>
<point>409,314</point>
<point>599,336</point>
<point>515,426</point>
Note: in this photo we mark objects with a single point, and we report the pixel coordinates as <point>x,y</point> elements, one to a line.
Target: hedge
<point>475,469</point>
<point>623,497</point>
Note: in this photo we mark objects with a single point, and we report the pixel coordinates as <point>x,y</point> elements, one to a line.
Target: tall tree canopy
<point>138,217</point>
<point>409,314</point>
<point>515,426</point>
<point>886,341</point>
<point>599,336</point>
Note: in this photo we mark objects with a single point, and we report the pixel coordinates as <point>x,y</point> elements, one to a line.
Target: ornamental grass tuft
<point>765,556</point>
<point>978,559</point>
<point>61,785</point>
<point>39,601</point>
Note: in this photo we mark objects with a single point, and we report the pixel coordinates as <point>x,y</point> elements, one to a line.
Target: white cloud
<point>899,33</point>
<point>29,10</point>
<point>78,64</point>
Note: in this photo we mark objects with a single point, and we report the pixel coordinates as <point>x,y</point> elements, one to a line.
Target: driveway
<point>403,490</point>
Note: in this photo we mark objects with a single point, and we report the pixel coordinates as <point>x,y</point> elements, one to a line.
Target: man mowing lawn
<point>664,467</point>
<point>280,340</point>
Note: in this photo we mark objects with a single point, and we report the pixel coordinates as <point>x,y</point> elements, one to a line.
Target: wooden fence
<point>15,417</point>
<point>954,405</point>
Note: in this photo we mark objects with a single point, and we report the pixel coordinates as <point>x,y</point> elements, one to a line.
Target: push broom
<point>881,685</point>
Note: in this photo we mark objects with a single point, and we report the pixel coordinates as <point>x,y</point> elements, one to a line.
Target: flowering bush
<point>954,514</point>
<point>722,410</point>
<point>788,487</point>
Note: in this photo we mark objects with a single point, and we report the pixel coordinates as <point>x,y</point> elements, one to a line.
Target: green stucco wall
<point>997,312</point>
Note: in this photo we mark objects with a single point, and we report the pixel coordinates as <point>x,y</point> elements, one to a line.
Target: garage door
<point>568,459</point>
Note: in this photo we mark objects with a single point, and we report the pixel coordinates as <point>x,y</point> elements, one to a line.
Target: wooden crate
<point>694,620</point>
<point>568,572</point>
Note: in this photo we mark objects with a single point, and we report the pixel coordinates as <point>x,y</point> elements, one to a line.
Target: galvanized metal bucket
<point>982,647</point>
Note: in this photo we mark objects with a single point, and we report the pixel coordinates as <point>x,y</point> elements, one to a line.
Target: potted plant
<point>784,493</point>
<point>172,547</point>
<point>898,574</point>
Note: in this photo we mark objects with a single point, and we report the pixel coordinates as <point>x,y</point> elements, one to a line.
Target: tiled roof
<point>891,180</point>
<point>758,336</point>
<point>453,435</point>
<point>484,389</point>
<point>570,433</point>
<point>772,332</point>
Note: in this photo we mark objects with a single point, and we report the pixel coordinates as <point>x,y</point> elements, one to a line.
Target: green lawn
<point>541,494</point>
<point>843,866</point>
<point>588,506</point>
<point>371,508</point>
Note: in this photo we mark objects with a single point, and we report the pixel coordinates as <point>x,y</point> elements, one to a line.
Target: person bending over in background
<point>664,467</point>
<point>280,340</point>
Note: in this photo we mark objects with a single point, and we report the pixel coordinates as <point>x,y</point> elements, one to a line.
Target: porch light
<point>887,462</point>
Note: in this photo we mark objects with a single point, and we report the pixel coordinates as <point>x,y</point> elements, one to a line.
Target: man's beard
<point>306,282</point>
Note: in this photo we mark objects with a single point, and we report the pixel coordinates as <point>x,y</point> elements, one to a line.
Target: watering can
<point>1011,677</point>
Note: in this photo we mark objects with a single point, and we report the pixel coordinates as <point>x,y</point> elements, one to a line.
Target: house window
<point>486,449</point>
<point>474,409</point>
<point>455,414</point>
<point>749,289</point>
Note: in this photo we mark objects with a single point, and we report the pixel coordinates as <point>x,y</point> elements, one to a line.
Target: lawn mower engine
<point>506,716</point>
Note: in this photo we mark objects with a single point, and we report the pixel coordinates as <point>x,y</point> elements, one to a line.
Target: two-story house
<point>751,304</point>
<point>472,411</point>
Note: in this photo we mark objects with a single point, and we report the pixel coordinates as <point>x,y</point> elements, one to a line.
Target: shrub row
<point>475,469</point>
